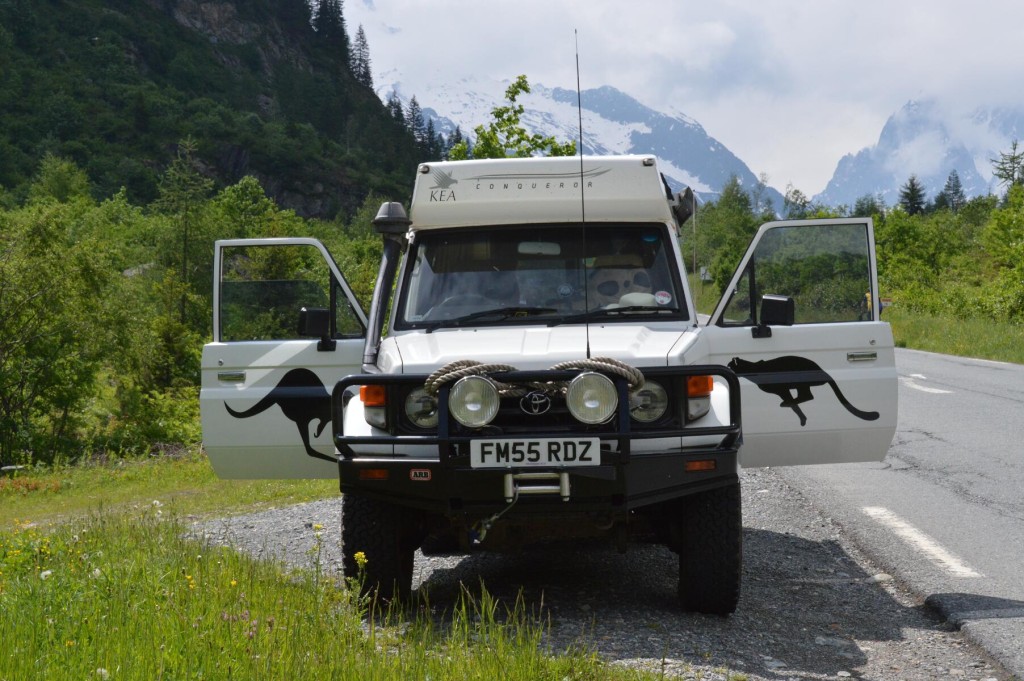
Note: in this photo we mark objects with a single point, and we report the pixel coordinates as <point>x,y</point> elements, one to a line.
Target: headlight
<point>473,401</point>
<point>648,403</point>
<point>592,398</point>
<point>421,409</point>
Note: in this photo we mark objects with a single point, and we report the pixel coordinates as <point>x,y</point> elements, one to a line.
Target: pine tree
<point>330,27</point>
<point>414,121</point>
<point>360,59</point>
<point>952,195</point>
<point>430,146</point>
<point>868,205</point>
<point>1009,167</point>
<point>912,196</point>
<point>453,139</point>
<point>394,107</point>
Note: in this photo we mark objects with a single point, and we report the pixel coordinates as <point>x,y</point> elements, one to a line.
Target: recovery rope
<point>453,371</point>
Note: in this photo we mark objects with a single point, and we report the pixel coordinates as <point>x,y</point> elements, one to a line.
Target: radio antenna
<point>583,202</point>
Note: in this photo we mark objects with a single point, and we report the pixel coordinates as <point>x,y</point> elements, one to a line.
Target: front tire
<point>386,536</point>
<point>711,551</point>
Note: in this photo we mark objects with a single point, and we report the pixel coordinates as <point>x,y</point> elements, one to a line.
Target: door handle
<point>868,356</point>
<point>231,376</point>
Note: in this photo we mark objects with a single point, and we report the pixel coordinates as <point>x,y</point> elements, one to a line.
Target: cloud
<point>788,86</point>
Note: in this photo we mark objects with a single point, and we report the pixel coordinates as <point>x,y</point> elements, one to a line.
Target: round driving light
<point>592,398</point>
<point>648,403</point>
<point>473,401</point>
<point>421,409</point>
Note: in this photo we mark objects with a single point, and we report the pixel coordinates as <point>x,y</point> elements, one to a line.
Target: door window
<point>825,269</point>
<point>263,288</point>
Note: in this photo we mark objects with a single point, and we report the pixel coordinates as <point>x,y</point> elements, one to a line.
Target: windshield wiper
<point>502,313</point>
<point>612,312</point>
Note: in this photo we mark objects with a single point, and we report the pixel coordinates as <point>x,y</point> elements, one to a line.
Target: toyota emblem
<point>535,403</point>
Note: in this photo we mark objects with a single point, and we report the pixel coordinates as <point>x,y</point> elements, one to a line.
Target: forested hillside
<point>263,87</point>
<point>133,133</point>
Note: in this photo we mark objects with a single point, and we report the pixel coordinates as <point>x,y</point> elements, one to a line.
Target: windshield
<point>541,274</point>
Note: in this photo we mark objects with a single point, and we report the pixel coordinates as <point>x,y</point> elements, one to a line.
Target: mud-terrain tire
<point>711,551</point>
<point>383,533</point>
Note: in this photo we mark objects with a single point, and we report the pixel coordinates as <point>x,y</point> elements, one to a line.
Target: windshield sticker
<point>663,297</point>
<point>565,290</point>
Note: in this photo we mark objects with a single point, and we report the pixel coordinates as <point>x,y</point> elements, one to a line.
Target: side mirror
<point>775,311</point>
<point>315,322</point>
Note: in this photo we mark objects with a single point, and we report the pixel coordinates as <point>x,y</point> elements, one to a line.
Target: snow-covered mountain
<point>923,138</point>
<point>928,140</point>
<point>613,123</point>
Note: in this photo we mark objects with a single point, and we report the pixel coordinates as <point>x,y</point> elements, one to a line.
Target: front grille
<point>512,419</point>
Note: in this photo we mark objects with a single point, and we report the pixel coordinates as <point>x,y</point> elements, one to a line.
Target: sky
<point>789,86</point>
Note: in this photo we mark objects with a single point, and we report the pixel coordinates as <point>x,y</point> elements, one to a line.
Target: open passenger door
<point>799,324</point>
<point>286,328</point>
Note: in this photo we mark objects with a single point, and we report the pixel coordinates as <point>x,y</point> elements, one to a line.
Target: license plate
<point>542,452</point>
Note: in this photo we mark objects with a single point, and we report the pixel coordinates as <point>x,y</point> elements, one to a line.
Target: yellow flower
<point>234,582</point>
<point>360,559</point>
<point>317,527</point>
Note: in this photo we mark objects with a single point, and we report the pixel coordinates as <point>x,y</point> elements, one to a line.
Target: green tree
<point>724,228</point>
<point>796,205</point>
<point>394,107</point>
<point>952,196</point>
<point>53,335</point>
<point>1009,167</point>
<point>1003,237</point>
<point>868,206</point>
<point>329,22</point>
<point>504,136</point>
<point>183,190</point>
<point>360,59</point>
<point>912,196</point>
<point>60,180</point>
<point>414,122</point>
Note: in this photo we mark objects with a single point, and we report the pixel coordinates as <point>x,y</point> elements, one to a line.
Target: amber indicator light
<point>700,465</point>
<point>372,395</point>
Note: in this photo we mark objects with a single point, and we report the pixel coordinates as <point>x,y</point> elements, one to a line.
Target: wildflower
<point>45,574</point>
<point>96,573</point>
<point>234,582</point>
<point>360,559</point>
<point>102,673</point>
<point>317,527</point>
<point>157,503</point>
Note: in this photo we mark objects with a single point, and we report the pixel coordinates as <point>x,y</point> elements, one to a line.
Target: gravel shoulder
<point>812,607</point>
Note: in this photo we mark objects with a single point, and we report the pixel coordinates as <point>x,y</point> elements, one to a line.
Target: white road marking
<point>921,541</point>
<point>911,383</point>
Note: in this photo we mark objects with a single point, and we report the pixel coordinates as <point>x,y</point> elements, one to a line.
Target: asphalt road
<point>944,513</point>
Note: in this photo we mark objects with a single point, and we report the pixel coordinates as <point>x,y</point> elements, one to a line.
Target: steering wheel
<point>447,307</point>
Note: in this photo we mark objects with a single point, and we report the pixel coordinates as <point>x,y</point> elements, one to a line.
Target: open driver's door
<point>266,386</point>
<point>800,325</point>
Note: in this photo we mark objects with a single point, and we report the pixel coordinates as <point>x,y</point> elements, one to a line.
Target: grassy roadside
<point>186,485</point>
<point>99,582</point>
<point>979,338</point>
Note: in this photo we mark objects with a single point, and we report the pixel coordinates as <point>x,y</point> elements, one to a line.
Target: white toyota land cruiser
<point>533,369</point>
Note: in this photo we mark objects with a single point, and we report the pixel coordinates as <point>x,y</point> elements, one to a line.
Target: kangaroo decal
<point>302,398</point>
<point>784,375</point>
